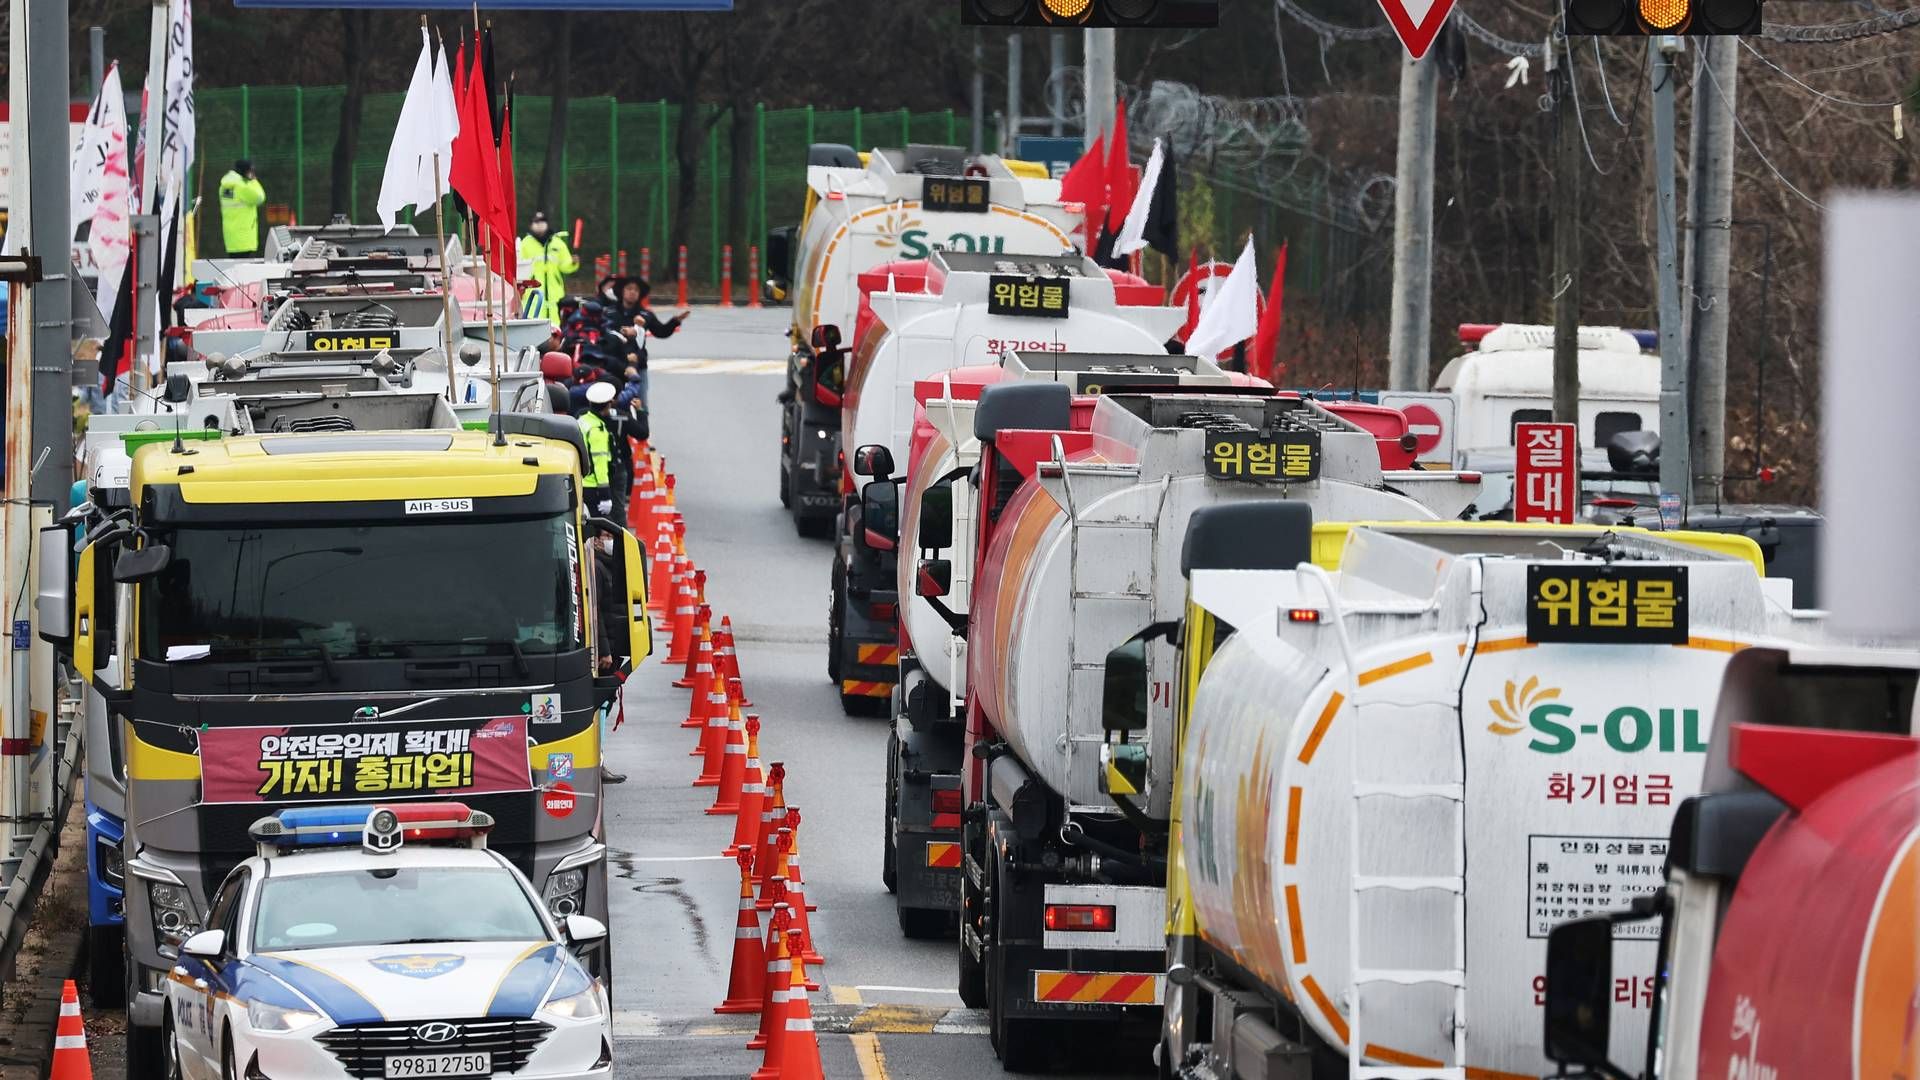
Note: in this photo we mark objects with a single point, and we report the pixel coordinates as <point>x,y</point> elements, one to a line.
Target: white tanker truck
<point>1394,781</point>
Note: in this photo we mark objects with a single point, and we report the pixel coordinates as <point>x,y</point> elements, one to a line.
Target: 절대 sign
<point>962,196</point>
<point>1546,474</point>
<point>1607,604</point>
<point>1267,459</point>
<point>367,761</point>
<point>1011,294</point>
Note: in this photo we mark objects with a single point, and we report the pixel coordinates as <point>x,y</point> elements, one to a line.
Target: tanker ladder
<point>1454,795</point>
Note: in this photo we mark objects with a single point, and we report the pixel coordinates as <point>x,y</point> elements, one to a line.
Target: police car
<point>384,942</point>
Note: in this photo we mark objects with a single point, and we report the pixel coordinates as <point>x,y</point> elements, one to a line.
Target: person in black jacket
<point>634,321</point>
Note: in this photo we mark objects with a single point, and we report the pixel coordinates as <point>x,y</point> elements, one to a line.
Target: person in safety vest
<point>597,470</point>
<point>549,261</point>
<point>240,199</point>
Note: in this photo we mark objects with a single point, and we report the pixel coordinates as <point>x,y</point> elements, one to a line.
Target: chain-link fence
<point>619,169</point>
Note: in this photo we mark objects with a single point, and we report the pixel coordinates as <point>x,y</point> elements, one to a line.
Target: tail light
<point>1615,504</point>
<point>1303,615</point>
<point>946,808</point>
<point>1097,918</point>
<point>883,612</point>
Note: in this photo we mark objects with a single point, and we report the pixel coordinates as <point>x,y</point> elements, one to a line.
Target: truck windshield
<point>367,591</point>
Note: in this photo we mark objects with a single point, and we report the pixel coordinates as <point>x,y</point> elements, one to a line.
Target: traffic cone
<point>672,503</point>
<point>774,803</point>
<point>699,589</point>
<point>700,702</point>
<point>713,742</point>
<point>679,533</point>
<point>777,872</point>
<point>660,583</point>
<point>747,986</point>
<point>728,659</point>
<point>702,631</point>
<point>746,824</point>
<point>639,497</point>
<point>682,618</point>
<point>733,765</point>
<point>70,1058</point>
<point>773,1010</point>
<point>797,900</point>
<point>699,657</point>
<point>800,1049</point>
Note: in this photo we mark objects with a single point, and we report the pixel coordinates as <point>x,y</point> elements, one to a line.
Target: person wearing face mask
<point>549,261</point>
<point>596,473</point>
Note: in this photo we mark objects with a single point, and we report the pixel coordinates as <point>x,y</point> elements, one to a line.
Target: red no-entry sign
<point>1417,22</point>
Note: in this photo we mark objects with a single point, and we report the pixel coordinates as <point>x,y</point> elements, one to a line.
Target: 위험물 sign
<point>350,340</point>
<point>1011,294</point>
<point>1266,459</point>
<point>316,763</point>
<point>956,196</point>
<point>1607,604</point>
<point>1546,472</point>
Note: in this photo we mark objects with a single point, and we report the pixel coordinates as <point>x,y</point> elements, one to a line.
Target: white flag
<point>89,168</point>
<point>446,127</point>
<point>110,241</point>
<point>1232,313</point>
<point>1133,231</point>
<point>406,182</point>
<point>177,128</point>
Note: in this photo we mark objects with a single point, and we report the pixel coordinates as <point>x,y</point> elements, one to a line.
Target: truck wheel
<point>107,966</point>
<point>973,978</point>
<point>835,640</point>
<point>786,493</point>
<point>813,526</point>
<point>889,853</point>
<point>145,1054</point>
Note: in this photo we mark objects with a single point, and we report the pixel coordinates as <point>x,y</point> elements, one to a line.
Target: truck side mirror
<point>1123,701</point>
<point>933,577</point>
<point>779,261</point>
<point>1579,1010</point>
<point>936,518</point>
<point>825,338</point>
<point>179,390</point>
<point>53,600</point>
<point>873,460</point>
<point>85,626</point>
<point>138,564</point>
<point>826,374</point>
<point>639,630</point>
<point>879,515</point>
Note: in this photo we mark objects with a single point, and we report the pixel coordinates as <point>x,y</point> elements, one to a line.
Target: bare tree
<point>353,42</point>
<point>560,81</point>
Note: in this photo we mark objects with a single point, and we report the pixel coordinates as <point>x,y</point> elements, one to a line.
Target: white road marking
<point>684,858</point>
<point>675,366</point>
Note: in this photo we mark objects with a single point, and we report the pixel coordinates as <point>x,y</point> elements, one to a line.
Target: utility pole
<point>47,230</point>
<point>1566,235</point>
<point>1056,88</point>
<point>1410,332</point>
<point>1674,436</point>
<point>1010,138</point>
<point>96,59</point>
<point>1100,87</point>
<point>1710,215</point>
<point>979,94</point>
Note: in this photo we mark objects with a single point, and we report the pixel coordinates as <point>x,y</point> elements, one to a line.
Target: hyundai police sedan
<point>358,943</point>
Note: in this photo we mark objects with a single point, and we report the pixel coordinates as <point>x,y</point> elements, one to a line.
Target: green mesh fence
<point>619,169</point>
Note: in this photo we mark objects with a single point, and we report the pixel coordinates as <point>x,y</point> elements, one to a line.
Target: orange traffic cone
<point>797,899</point>
<point>679,531</point>
<point>702,631</point>
<point>800,1049</point>
<point>699,589</point>
<point>698,705</point>
<point>70,1058</point>
<point>746,824</point>
<point>660,578</point>
<point>748,984</point>
<point>700,657</point>
<point>713,741</point>
<point>777,871</point>
<point>682,616</point>
<point>672,503</point>
<point>639,497</point>
<point>728,658</point>
<point>733,765</point>
<point>773,1009</point>
<point>773,812</point>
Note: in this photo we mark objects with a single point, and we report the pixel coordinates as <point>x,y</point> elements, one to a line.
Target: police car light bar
<point>379,829</point>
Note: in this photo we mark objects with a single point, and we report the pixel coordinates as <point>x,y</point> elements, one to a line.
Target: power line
<point>1512,48</point>
<point>1714,82</point>
<point>1888,23</point>
<point>1332,31</point>
<point>1758,55</point>
<point>1573,81</point>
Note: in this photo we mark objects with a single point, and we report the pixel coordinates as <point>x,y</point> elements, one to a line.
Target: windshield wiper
<point>520,660</point>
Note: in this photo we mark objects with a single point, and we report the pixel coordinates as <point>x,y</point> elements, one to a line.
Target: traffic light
<point>1635,18</point>
<point>1183,14</point>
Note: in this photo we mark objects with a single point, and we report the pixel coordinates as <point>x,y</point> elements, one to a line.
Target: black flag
<point>1162,231</point>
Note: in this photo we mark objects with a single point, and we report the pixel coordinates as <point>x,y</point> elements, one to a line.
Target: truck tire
<point>146,1056</point>
<point>972,980</point>
<point>889,853</point>
<point>107,966</point>
<point>786,493</point>
<point>835,641</point>
<point>1021,1044</point>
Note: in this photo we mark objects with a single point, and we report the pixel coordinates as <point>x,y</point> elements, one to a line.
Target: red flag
<point>1193,298</point>
<point>1121,184</point>
<point>1265,355</point>
<point>475,166</point>
<point>1086,183</point>
<point>505,259</point>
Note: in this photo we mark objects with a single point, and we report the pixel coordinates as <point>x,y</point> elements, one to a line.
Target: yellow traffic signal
<point>1663,15</point>
<point>1117,13</point>
<point>1067,10</point>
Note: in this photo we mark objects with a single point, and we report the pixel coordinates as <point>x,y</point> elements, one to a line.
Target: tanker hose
<point>1072,835</point>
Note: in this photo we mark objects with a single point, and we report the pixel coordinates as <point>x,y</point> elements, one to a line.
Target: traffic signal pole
<point>1409,333</point>
<point>1100,88</point>
<point>1566,232</point>
<point>1675,451</point>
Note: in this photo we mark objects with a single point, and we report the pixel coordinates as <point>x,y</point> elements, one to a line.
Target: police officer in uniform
<point>240,199</point>
<point>597,470</point>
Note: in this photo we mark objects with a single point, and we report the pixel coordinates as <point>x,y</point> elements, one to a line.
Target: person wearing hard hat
<point>240,199</point>
<point>596,473</point>
<point>549,260</point>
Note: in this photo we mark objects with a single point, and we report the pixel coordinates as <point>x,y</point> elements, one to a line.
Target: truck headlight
<point>264,1017</point>
<point>174,920</point>
<point>566,893</point>
<point>113,866</point>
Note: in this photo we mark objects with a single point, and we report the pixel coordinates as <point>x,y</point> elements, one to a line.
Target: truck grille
<point>364,1048</point>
